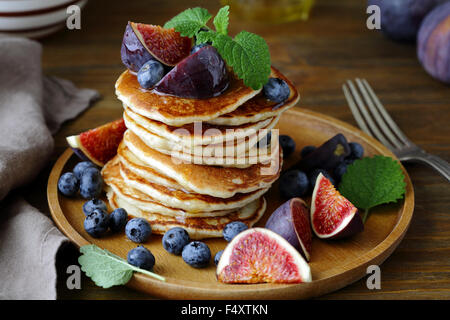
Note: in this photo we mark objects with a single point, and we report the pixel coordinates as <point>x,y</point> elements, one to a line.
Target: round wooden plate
<point>334,264</point>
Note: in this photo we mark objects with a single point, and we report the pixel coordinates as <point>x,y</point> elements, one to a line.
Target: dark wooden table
<point>318,56</point>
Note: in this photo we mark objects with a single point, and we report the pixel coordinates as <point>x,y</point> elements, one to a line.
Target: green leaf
<point>189,22</point>
<point>106,269</point>
<point>248,55</point>
<point>205,36</point>
<point>221,20</point>
<point>370,182</point>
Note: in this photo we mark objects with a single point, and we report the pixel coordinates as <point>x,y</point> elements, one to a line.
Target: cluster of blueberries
<point>151,72</point>
<point>197,253</point>
<point>296,183</point>
<point>86,178</point>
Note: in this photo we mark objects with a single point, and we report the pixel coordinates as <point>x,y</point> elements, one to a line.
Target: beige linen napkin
<point>32,107</point>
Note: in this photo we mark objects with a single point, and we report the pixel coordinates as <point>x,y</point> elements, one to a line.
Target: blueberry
<point>96,223</point>
<point>175,239</point>
<point>91,183</point>
<point>356,150</point>
<point>198,47</point>
<point>294,183</point>
<point>141,257</point>
<point>118,219</point>
<point>315,173</point>
<point>150,74</point>
<point>93,204</point>
<point>138,230</point>
<point>276,90</point>
<point>196,254</point>
<point>217,257</point>
<point>265,142</point>
<point>287,144</point>
<point>81,166</point>
<point>307,150</point>
<point>340,170</point>
<point>68,184</point>
<point>232,229</point>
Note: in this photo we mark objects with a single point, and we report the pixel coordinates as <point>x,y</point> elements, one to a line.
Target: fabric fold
<point>32,108</point>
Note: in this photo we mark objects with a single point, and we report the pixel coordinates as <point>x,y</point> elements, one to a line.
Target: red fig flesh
<point>98,145</point>
<point>166,45</point>
<point>332,215</point>
<point>291,221</point>
<point>259,255</point>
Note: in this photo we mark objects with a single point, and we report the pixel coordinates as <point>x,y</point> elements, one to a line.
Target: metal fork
<point>373,119</point>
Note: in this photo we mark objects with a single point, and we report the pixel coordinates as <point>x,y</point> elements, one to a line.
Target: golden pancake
<point>198,133</point>
<point>129,160</point>
<point>177,111</point>
<point>259,107</point>
<point>198,228</point>
<point>211,180</point>
<point>186,201</point>
<point>114,182</point>
<point>240,154</point>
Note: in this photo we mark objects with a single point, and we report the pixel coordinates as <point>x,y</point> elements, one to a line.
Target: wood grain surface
<point>318,56</point>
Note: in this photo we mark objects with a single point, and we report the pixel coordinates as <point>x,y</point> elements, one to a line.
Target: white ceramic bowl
<point>34,18</point>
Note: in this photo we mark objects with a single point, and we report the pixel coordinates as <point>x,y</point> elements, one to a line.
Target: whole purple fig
<point>400,19</point>
<point>433,43</point>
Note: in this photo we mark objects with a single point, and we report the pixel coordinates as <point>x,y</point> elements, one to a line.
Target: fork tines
<point>371,116</point>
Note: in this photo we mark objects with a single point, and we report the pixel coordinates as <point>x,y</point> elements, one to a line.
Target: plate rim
<point>259,291</point>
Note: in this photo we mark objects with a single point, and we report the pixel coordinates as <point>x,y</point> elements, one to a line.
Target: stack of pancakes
<point>195,163</point>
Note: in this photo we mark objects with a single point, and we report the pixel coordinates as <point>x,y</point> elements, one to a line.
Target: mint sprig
<point>247,53</point>
<point>106,269</point>
<point>189,22</point>
<point>370,182</point>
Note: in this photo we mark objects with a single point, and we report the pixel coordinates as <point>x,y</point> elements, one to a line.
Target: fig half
<point>166,45</point>
<point>144,42</point>
<point>332,215</point>
<point>259,255</point>
<point>133,53</point>
<point>291,221</point>
<point>202,75</point>
<point>98,145</point>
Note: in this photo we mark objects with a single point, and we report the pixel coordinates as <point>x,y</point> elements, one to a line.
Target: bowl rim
<point>22,7</point>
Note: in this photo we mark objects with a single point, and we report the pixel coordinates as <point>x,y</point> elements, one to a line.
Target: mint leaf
<point>221,20</point>
<point>248,55</point>
<point>106,269</point>
<point>189,22</point>
<point>370,182</point>
<point>205,36</point>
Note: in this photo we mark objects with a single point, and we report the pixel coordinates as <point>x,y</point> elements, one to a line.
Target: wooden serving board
<point>334,264</point>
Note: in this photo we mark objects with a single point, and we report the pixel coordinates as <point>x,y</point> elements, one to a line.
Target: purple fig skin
<point>80,154</point>
<point>327,156</point>
<point>134,55</point>
<point>282,222</point>
<point>433,43</point>
<point>400,19</point>
<point>201,75</point>
<point>355,226</point>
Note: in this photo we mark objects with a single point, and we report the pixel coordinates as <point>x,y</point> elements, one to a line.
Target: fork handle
<point>439,164</point>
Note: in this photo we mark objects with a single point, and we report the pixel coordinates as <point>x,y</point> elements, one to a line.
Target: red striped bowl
<point>34,18</point>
